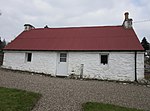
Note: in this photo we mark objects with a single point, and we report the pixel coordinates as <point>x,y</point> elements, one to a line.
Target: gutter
<point>75,50</point>
<point>135,59</point>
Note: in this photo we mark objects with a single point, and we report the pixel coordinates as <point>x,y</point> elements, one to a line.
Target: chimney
<point>127,24</point>
<point>28,27</point>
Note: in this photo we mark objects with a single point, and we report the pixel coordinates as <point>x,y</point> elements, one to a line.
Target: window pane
<point>63,54</point>
<point>62,59</point>
<point>104,59</point>
<point>29,56</point>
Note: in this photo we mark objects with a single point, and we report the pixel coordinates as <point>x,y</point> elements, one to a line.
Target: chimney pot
<point>28,27</point>
<point>126,15</point>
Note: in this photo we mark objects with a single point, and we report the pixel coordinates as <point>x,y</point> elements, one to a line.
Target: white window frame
<point>61,57</point>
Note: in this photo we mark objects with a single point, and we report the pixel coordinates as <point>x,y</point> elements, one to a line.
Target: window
<point>104,59</point>
<point>63,57</point>
<point>28,57</point>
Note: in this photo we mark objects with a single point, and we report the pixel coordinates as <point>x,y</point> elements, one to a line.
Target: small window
<point>29,57</point>
<point>104,59</point>
<point>63,57</point>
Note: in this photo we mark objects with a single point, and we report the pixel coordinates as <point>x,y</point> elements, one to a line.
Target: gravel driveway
<point>61,94</point>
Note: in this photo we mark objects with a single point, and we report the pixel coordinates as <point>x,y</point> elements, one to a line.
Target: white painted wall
<point>42,62</point>
<point>140,66</point>
<point>120,65</point>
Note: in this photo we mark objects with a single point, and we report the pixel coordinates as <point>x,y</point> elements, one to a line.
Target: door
<point>62,64</point>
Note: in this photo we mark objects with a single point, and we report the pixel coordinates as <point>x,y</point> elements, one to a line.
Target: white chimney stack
<point>127,22</point>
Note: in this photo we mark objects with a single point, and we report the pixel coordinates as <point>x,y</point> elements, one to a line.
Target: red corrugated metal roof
<point>77,38</point>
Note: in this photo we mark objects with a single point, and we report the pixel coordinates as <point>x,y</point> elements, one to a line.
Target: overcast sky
<point>66,13</point>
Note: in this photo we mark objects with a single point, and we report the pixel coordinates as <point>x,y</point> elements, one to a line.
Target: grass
<point>17,100</point>
<point>93,106</point>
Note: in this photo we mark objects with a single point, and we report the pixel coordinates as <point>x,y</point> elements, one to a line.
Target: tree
<point>145,44</point>
<point>2,44</point>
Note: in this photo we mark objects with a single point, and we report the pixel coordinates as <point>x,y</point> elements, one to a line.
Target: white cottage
<point>102,52</point>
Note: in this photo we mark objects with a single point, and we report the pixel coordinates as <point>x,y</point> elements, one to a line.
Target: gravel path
<point>61,94</point>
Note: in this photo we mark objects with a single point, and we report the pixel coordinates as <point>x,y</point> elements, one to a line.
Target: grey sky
<point>66,13</point>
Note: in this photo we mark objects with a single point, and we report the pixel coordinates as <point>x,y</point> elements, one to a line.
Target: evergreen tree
<point>2,44</point>
<point>145,44</point>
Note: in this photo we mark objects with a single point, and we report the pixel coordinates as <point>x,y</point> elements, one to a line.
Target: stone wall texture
<point>121,65</point>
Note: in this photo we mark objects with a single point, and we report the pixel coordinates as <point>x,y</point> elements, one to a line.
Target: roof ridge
<point>74,27</point>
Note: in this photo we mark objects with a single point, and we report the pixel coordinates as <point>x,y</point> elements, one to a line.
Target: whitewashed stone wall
<point>140,66</point>
<point>42,62</point>
<point>121,65</point>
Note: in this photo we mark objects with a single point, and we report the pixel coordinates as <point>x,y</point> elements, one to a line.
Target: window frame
<point>107,59</point>
<point>63,58</point>
<point>29,57</point>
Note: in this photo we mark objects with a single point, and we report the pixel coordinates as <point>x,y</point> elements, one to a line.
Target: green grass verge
<point>17,100</point>
<point>93,106</point>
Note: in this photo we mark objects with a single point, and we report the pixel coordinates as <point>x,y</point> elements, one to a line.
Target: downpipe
<point>135,60</point>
